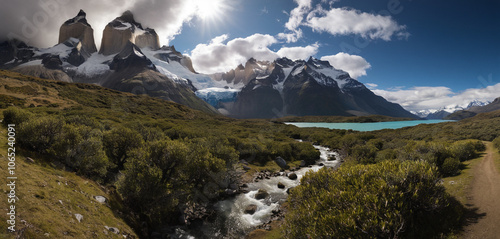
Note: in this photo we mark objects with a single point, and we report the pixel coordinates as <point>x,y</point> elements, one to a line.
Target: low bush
<point>450,167</point>
<point>496,143</point>
<point>391,199</point>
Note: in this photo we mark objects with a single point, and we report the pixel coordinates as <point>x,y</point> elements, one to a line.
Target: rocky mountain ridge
<point>285,87</point>
<point>130,59</point>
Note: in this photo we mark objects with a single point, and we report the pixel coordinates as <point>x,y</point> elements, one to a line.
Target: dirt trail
<point>485,196</point>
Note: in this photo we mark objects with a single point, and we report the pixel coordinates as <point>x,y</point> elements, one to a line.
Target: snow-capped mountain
<point>313,87</point>
<point>130,59</point>
<point>449,109</point>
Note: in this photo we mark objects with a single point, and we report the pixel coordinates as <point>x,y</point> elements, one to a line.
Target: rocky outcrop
<point>79,28</point>
<point>14,52</point>
<point>43,72</point>
<point>244,74</point>
<point>125,29</point>
<point>130,57</point>
<point>168,54</point>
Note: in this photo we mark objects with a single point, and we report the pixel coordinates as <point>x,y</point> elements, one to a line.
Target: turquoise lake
<point>368,126</point>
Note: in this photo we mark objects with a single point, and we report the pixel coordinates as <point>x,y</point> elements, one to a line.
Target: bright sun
<point>210,9</point>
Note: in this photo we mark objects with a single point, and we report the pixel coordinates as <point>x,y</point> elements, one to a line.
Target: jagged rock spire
<point>124,29</point>
<point>79,28</point>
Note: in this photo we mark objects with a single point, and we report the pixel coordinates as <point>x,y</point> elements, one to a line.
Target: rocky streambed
<point>259,202</point>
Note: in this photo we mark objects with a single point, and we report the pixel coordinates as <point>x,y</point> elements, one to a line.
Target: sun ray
<point>210,10</point>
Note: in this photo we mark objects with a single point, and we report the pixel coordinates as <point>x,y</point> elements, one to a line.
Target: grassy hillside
<point>49,197</point>
<point>153,159</point>
<point>117,140</point>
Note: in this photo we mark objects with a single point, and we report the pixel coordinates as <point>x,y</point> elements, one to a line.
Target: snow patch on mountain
<point>174,68</point>
<point>61,49</point>
<point>31,63</point>
<point>95,65</point>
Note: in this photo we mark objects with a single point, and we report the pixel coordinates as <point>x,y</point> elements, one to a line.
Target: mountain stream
<point>234,222</point>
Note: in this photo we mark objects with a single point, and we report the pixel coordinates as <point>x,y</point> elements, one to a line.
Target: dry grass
<point>49,198</point>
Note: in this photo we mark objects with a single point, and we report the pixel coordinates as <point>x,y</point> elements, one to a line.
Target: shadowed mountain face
<point>308,88</point>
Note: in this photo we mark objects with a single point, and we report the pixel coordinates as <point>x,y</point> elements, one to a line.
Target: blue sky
<point>451,43</point>
<point>423,54</point>
<point>450,56</point>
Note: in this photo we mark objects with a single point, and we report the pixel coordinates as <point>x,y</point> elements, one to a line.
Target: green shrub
<point>81,148</point>
<point>450,167</point>
<point>40,134</point>
<point>151,184</point>
<point>391,199</point>
<point>119,143</point>
<point>14,115</point>
<point>464,150</point>
<point>364,154</point>
<point>496,143</point>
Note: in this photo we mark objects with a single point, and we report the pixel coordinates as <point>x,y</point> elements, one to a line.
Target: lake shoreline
<point>367,126</point>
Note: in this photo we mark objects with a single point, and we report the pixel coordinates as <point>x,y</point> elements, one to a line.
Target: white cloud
<point>434,98</point>
<point>371,85</point>
<point>218,56</point>
<point>343,21</point>
<point>296,53</point>
<point>355,65</point>
<point>295,20</point>
<point>38,22</point>
<point>339,21</point>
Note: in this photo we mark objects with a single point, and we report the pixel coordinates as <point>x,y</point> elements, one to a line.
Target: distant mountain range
<point>474,110</point>
<point>130,59</point>
<point>448,110</point>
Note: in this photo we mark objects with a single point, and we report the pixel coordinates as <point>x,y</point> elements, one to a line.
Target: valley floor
<point>484,195</point>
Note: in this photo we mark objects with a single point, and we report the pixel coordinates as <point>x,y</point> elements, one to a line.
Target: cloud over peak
<point>218,56</point>
<point>355,65</point>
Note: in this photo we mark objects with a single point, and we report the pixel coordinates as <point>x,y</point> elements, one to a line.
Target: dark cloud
<point>37,21</point>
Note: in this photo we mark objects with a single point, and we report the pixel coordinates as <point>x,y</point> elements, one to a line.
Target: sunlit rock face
<point>78,28</point>
<point>125,29</point>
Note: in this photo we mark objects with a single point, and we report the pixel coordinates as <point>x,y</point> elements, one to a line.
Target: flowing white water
<point>232,211</point>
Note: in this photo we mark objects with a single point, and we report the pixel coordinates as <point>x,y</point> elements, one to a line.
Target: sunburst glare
<point>209,10</point>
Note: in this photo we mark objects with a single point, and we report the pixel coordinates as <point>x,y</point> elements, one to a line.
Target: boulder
<point>52,62</point>
<point>261,194</point>
<point>112,229</point>
<point>250,209</point>
<point>79,217</point>
<point>281,185</point>
<point>292,176</point>
<point>281,162</point>
<point>100,199</point>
